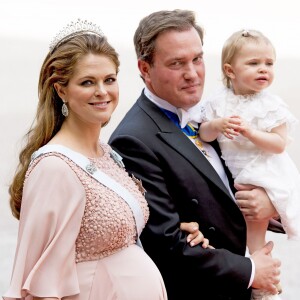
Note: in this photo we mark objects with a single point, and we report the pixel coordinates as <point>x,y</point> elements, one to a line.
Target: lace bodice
<point>107,225</point>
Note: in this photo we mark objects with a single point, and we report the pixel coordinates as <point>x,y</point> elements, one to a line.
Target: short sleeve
<point>276,113</point>
<point>214,105</point>
<point>52,209</point>
<point>209,112</point>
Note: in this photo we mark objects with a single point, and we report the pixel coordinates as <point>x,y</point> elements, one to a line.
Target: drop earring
<point>64,109</point>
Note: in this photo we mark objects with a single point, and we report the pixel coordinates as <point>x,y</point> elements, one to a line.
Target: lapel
<point>176,139</point>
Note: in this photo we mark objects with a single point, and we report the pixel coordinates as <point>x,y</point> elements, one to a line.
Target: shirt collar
<point>193,115</point>
<point>159,102</point>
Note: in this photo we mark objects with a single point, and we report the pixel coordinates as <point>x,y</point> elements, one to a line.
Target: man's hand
<point>266,269</point>
<point>254,203</point>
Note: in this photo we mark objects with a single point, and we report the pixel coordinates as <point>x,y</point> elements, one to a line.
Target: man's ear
<point>60,90</point>
<point>144,68</point>
<point>229,71</point>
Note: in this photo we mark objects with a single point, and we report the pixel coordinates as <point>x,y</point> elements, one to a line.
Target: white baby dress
<point>276,173</point>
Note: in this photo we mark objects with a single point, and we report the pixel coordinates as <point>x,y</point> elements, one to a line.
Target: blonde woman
<point>80,212</point>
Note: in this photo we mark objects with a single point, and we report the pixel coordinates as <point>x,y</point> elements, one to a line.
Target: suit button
<point>195,201</point>
<point>213,229</point>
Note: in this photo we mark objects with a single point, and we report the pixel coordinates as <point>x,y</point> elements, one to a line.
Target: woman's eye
<point>87,83</point>
<point>111,80</point>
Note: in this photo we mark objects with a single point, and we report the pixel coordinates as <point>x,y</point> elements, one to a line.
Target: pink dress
<point>77,237</point>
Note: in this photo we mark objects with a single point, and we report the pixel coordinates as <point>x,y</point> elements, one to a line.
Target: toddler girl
<point>252,127</point>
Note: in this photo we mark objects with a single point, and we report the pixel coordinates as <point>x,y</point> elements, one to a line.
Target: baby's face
<point>252,68</point>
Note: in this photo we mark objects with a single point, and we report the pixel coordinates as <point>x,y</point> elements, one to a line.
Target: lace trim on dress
<point>263,110</point>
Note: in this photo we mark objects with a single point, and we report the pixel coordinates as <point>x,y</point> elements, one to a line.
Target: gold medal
<point>200,146</point>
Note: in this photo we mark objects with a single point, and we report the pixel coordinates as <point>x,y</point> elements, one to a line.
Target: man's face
<point>178,72</point>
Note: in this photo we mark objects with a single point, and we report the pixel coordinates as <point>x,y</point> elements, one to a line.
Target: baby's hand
<point>195,236</point>
<point>229,126</point>
<point>245,129</point>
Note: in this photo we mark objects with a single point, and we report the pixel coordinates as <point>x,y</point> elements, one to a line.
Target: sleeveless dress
<point>77,238</point>
<point>276,173</point>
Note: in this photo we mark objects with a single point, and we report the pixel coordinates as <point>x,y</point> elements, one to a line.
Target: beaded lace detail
<point>108,224</point>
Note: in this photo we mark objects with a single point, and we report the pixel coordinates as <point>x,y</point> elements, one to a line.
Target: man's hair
<point>158,22</point>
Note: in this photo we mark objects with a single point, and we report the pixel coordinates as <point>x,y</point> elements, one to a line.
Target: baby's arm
<point>228,126</point>
<point>273,142</point>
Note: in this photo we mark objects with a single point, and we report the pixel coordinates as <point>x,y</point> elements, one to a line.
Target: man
<point>185,179</point>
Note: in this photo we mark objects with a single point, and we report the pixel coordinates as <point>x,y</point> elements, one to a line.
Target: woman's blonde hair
<point>234,44</point>
<point>58,67</point>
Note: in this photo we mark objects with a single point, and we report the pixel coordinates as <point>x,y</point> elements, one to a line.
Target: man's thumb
<point>268,247</point>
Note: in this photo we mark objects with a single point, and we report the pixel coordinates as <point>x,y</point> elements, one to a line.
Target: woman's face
<point>92,93</point>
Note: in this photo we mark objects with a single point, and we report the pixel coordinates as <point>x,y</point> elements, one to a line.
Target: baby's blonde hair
<point>234,44</point>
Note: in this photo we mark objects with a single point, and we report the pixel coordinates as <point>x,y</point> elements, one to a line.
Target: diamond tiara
<point>74,29</point>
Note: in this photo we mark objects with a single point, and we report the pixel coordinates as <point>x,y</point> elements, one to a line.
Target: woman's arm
<point>195,236</point>
<point>53,204</point>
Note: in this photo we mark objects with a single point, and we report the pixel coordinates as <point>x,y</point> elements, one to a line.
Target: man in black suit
<point>185,179</point>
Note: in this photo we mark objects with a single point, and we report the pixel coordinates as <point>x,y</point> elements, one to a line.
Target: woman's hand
<point>195,236</point>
